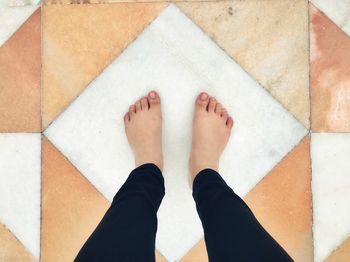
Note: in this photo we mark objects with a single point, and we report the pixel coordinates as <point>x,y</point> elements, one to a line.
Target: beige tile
<point>342,253</point>
<point>269,39</point>
<point>330,75</point>
<point>11,249</point>
<point>20,79</point>
<point>79,41</point>
<point>282,202</point>
<point>198,253</point>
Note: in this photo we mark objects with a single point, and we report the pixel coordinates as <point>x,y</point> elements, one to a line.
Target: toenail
<point>152,94</point>
<point>204,96</point>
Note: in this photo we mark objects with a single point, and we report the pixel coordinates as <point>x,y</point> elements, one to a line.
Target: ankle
<point>197,165</point>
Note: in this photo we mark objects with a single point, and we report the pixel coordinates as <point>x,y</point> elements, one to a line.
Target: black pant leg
<point>127,232</point>
<point>231,231</point>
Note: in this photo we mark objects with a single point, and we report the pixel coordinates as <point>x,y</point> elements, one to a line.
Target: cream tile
<point>331,191</point>
<point>266,40</point>
<point>79,41</point>
<point>337,10</point>
<point>20,188</point>
<point>11,19</point>
<point>174,57</point>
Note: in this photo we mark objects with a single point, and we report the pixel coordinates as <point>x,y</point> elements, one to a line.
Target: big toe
<point>153,99</point>
<point>202,101</point>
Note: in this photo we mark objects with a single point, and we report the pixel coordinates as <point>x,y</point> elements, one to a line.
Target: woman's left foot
<point>143,128</point>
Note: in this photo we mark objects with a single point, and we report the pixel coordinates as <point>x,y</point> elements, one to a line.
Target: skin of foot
<point>211,131</point>
<point>143,128</point>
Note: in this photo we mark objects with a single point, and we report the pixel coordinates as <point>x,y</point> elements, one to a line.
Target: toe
<point>144,103</point>
<point>229,122</point>
<point>138,106</point>
<point>202,100</point>
<point>212,104</point>
<point>224,114</point>
<point>127,117</point>
<point>218,109</point>
<point>153,99</point>
<point>132,110</point>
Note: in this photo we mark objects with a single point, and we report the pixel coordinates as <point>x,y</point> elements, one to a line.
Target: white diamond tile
<point>331,191</point>
<point>337,10</point>
<point>11,18</point>
<point>20,187</point>
<point>174,57</point>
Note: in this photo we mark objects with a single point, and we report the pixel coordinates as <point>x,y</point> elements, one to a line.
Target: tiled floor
<point>281,67</point>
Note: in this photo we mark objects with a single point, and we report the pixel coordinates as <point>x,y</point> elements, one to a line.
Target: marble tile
<point>11,249</point>
<point>337,10</point>
<point>79,41</point>
<point>20,188</point>
<point>91,133</point>
<point>331,195</point>
<point>342,253</point>
<point>268,42</point>
<point>12,18</point>
<point>68,216</point>
<point>330,75</point>
<point>282,204</point>
<point>20,79</point>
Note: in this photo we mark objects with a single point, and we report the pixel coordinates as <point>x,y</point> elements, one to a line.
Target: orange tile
<point>11,249</point>
<point>342,253</point>
<point>198,253</point>
<point>79,41</point>
<point>282,202</point>
<point>20,79</point>
<point>330,74</point>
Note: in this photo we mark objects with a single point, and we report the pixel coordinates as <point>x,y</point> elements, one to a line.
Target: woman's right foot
<point>210,133</point>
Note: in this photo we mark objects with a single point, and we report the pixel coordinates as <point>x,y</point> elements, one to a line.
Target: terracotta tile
<point>330,74</point>
<point>341,254</point>
<point>79,41</point>
<point>20,79</point>
<point>270,43</point>
<point>282,202</point>
<point>11,249</point>
<point>68,216</point>
<point>197,253</point>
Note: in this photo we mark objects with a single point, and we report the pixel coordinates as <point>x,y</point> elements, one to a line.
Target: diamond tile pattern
<point>98,57</point>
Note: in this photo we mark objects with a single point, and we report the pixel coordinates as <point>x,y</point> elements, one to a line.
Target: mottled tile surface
<point>330,186</point>
<point>20,79</point>
<point>282,204</point>
<point>330,75</point>
<point>12,18</point>
<point>266,40</point>
<point>79,41</point>
<point>11,249</point>
<point>173,56</point>
<point>20,188</point>
<point>337,10</point>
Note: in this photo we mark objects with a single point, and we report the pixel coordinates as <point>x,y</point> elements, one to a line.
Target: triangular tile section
<point>71,207</point>
<point>175,57</point>
<point>282,204</point>
<point>79,41</point>
<point>330,75</point>
<point>20,188</point>
<point>341,254</point>
<point>337,10</point>
<point>20,79</point>
<point>11,18</point>
<point>330,187</point>
<point>268,41</point>
<point>11,249</point>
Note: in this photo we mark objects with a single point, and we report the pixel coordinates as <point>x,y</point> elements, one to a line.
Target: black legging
<point>127,232</point>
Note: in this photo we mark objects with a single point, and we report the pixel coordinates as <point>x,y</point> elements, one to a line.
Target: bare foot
<point>210,133</point>
<point>143,127</point>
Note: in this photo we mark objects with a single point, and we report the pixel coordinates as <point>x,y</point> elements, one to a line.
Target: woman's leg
<point>128,229</point>
<point>231,231</point>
